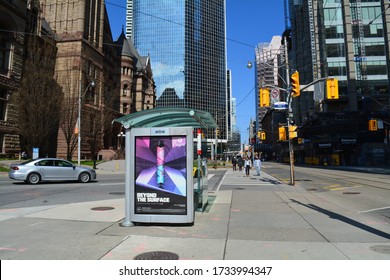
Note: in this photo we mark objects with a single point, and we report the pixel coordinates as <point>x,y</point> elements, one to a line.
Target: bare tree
<point>69,110</point>
<point>95,132</point>
<point>39,98</point>
<point>100,113</point>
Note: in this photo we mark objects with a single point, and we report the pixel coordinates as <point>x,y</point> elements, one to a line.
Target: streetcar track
<point>348,179</point>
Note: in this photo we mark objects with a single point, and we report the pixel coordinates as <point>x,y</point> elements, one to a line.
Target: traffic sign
<point>280,105</point>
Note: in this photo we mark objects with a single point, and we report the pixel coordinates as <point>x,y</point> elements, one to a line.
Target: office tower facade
<point>267,75</point>
<point>129,19</point>
<point>186,43</point>
<point>343,39</point>
<point>347,40</point>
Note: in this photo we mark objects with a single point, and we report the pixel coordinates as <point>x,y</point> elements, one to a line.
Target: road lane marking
<point>112,184</point>
<point>335,188</point>
<point>375,209</point>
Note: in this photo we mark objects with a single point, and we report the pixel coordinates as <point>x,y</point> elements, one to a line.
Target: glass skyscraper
<point>346,40</point>
<point>185,40</point>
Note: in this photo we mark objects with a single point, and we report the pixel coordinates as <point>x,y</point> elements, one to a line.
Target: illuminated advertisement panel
<point>160,173</point>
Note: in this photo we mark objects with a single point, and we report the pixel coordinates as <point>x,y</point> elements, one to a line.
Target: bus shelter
<point>159,158</point>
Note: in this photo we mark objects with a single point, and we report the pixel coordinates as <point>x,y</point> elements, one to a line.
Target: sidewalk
<point>248,218</point>
<point>260,218</point>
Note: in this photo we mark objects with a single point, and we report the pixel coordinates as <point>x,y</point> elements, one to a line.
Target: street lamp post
<point>91,84</point>
<point>120,144</point>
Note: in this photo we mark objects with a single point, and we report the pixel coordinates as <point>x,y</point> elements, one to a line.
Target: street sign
<point>280,105</point>
<point>35,153</point>
<point>275,93</point>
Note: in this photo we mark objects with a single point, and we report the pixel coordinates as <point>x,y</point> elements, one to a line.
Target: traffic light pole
<point>290,145</point>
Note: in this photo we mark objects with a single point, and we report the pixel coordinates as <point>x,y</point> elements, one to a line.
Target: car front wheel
<point>84,177</point>
<point>33,178</point>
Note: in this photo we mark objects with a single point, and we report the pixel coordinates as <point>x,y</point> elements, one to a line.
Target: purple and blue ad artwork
<point>160,175</point>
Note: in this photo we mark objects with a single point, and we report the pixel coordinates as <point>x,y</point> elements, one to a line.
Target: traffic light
<point>295,87</point>
<point>261,135</point>
<point>264,97</point>
<point>217,132</point>
<point>282,133</point>
<point>292,132</point>
<point>332,88</point>
<point>372,125</point>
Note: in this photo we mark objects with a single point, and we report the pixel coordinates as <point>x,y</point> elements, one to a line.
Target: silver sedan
<point>50,169</point>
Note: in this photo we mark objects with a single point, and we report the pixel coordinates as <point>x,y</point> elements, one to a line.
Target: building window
<point>335,50</point>
<point>4,56</point>
<point>1,143</point>
<point>125,89</point>
<point>3,103</point>
<point>124,108</point>
<point>337,69</point>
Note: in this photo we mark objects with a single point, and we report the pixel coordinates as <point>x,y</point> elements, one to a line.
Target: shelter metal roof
<point>168,117</point>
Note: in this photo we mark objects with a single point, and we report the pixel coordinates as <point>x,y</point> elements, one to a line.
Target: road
<point>354,191</point>
<point>329,214</point>
<point>19,193</point>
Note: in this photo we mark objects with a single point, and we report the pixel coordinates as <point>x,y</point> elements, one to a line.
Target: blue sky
<point>248,22</point>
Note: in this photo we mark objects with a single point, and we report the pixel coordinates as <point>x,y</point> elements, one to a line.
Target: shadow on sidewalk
<point>344,219</point>
<point>267,180</point>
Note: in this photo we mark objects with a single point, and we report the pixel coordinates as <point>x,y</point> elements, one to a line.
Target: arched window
<point>125,89</point>
<point>125,107</point>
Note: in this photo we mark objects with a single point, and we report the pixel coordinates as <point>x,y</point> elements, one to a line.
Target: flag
<point>76,128</point>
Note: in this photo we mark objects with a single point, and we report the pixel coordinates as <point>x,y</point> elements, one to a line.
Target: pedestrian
<point>257,164</point>
<point>24,155</point>
<point>240,163</point>
<point>234,163</point>
<point>247,164</point>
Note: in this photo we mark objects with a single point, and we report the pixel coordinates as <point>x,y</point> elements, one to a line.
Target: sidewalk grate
<point>117,193</point>
<point>102,208</point>
<point>351,192</point>
<point>383,249</point>
<point>157,255</point>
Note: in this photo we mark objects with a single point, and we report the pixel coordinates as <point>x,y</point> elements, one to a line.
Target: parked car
<point>50,169</point>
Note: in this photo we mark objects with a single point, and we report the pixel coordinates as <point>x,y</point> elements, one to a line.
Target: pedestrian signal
<point>372,125</point>
<point>282,133</point>
<point>292,132</point>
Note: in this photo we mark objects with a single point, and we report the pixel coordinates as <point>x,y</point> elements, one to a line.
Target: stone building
<point>89,66</point>
<point>137,84</point>
<point>12,27</point>
<point>79,27</point>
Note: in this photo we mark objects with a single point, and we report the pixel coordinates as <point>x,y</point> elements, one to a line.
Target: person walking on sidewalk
<point>234,163</point>
<point>247,165</point>
<point>257,164</point>
<point>240,162</point>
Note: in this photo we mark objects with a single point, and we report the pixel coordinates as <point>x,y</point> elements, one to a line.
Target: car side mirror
<point>74,167</point>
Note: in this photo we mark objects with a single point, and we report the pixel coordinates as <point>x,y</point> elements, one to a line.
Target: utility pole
<point>289,112</point>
